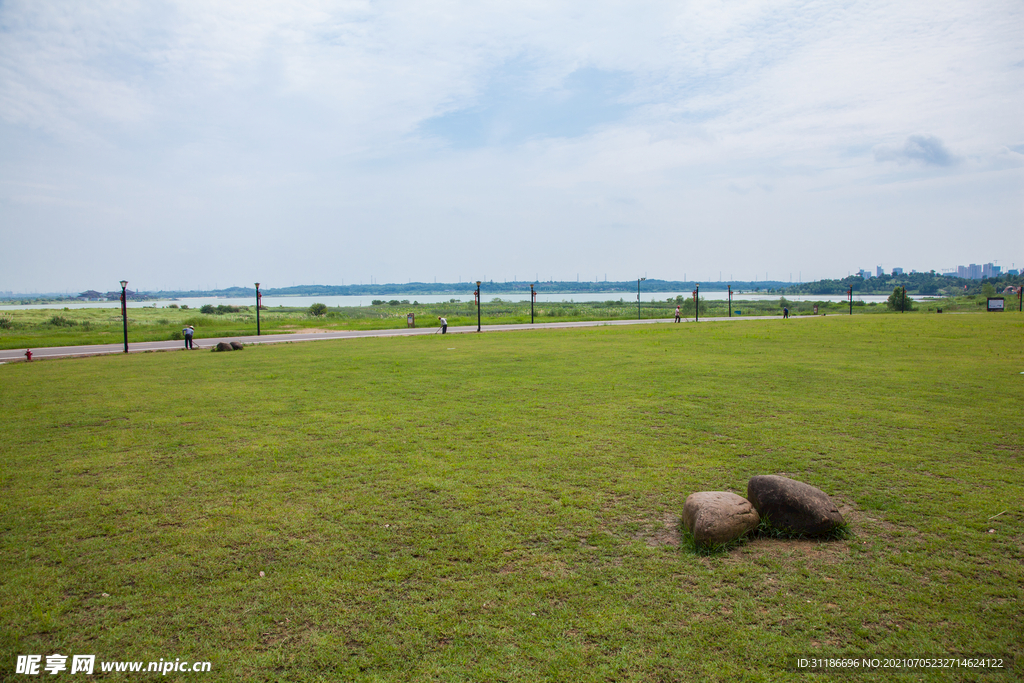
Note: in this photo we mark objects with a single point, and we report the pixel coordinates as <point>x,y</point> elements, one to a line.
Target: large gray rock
<point>237,346</point>
<point>222,346</point>
<point>793,506</point>
<point>718,516</point>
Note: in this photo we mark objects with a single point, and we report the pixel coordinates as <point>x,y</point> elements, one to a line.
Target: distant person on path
<point>785,312</point>
<point>444,325</point>
<point>677,314</point>
<point>189,331</point>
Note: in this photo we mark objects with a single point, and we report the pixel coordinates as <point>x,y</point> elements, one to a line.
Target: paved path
<point>207,343</point>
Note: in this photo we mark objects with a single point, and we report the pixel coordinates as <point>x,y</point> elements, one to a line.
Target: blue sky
<point>191,145</point>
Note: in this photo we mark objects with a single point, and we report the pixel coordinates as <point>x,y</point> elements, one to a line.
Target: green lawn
<point>505,507</point>
<point>33,328</point>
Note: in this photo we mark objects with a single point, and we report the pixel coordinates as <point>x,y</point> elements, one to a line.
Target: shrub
<point>6,322</point>
<point>222,309</point>
<point>184,307</point>
<point>163,321</point>
<point>319,310</point>
<point>61,321</point>
<point>898,301</point>
<point>174,306</point>
<point>208,309</point>
<point>378,302</point>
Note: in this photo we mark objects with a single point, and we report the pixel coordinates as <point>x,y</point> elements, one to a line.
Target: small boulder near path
<point>793,506</point>
<point>718,516</point>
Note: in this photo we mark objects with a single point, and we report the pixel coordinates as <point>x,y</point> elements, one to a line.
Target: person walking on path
<point>677,314</point>
<point>444,325</point>
<point>785,312</point>
<point>189,331</point>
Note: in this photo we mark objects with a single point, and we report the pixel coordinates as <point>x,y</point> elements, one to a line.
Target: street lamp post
<point>849,294</point>
<point>730,301</point>
<point>258,295</point>
<point>696,303</point>
<point>638,281</point>
<point>124,311</point>
<point>533,297</point>
<point>477,305</point>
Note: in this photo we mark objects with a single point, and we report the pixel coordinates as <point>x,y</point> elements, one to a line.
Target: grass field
<point>505,507</point>
<point>32,328</point>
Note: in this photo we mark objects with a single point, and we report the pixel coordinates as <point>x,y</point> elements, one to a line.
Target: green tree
<point>317,310</point>
<point>899,301</point>
<point>988,290</point>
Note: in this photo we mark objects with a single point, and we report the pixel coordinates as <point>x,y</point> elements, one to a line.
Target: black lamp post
<point>730,301</point>
<point>533,297</point>
<point>696,303</point>
<point>258,309</point>
<point>638,281</point>
<point>124,311</point>
<point>849,294</point>
<point>477,305</point>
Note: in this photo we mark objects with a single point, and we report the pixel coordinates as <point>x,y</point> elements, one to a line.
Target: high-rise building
<point>897,271</point>
<point>974,271</point>
<point>879,272</point>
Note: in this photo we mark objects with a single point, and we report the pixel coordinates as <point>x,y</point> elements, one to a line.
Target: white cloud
<point>344,122</point>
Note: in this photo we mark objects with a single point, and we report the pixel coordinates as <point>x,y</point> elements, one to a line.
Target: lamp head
<point>124,284</point>
<point>257,285</point>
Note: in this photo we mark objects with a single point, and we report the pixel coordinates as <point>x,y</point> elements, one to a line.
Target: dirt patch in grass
<point>824,552</point>
<point>659,532</point>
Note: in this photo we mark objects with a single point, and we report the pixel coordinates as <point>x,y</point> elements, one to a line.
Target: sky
<point>195,145</point>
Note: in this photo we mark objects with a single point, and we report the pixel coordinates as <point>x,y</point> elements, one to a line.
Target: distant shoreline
<point>918,284</point>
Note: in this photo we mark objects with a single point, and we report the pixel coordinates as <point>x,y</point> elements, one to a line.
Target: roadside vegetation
<point>47,327</point>
<point>505,507</point>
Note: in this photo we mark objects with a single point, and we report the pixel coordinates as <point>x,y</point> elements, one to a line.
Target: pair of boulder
<point>225,346</point>
<point>791,506</point>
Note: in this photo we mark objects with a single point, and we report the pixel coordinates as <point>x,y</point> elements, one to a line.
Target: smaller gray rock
<point>718,516</point>
<point>222,346</point>
<point>237,346</point>
<point>793,506</point>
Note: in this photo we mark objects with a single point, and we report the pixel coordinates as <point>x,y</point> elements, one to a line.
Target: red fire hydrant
<point>28,354</point>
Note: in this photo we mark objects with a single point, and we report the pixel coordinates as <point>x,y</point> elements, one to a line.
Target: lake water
<point>332,301</point>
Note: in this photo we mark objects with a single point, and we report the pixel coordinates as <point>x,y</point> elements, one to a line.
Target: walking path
<point>207,343</point>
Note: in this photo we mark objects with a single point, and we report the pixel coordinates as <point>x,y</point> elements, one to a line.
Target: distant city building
<point>990,270</point>
<point>879,272</point>
<point>864,273</point>
<point>1013,271</point>
<point>897,271</point>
